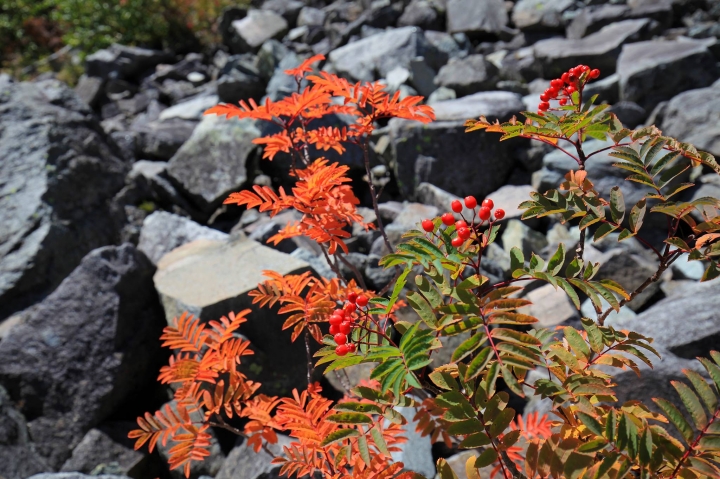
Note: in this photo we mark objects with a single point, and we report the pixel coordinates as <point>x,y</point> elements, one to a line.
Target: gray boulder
<point>416,453</point>
<point>74,475</point>
<point>599,50</point>
<point>124,62</point>
<point>657,70</point>
<point>59,172</point>
<point>468,75</point>
<point>442,153</point>
<point>160,140</point>
<point>687,325</point>
<point>409,218</point>
<point>311,17</point>
<point>244,463</point>
<point>378,54</point>
<point>215,161</point>
<point>259,26</point>
<point>519,235</point>
<point>591,19</point>
<point>429,194</point>
<point>694,117</point>
<point>17,453</point>
<point>240,78</point>
<point>476,17</point>
<point>426,14</point>
<point>89,346</point>
<point>97,450</point>
<point>162,232</point>
<point>540,15</point>
<point>192,109</point>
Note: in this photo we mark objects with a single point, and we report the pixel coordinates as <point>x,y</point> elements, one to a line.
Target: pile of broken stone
<point>113,223</point>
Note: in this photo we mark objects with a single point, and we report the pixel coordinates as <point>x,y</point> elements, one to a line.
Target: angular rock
<point>684,269</point>
<point>630,114</point>
<point>453,46</point>
<point>209,279</point>
<point>97,449</point>
<point>17,453</point>
<point>59,172</point>
<point>600,50</point>
<point>416,453</point>
<point>607,89</point>
<point>509,198</point>
<point>123,62</point>
<point>89,89</point>
<point>426,14</point>
<point>214,162</point>
<point>588,311</point>
<point>88,347</point>
<point>259,26</point>
<point>540,15</point>
<point>382,52</point>
<point>288,9</point>
<point>429,194</point>
<point>192,109</point>
<point>409,218</point>
<point>692,117</point>
<point>643,70</point>
<point>550,306</point>
<point>442,153</point>
<point>162,232</point>
<point>240,79</point>
<point>468,75</point>
<point>162,139</point>
<point>626,267</point>
<point>244,463</point>
<point>695,334</point>
<point>476,17</point>
<point>591,19</point>
<point>310,16</point>
<point>519,235</point>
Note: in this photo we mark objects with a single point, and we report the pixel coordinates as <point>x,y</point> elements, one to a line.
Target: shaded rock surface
<point>88,347</point>
<point>58,172</point>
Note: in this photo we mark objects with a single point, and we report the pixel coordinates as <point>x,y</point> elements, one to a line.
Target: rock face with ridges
<point>601,49</point>
<point>657,70</point>
<point>694,117</point>
<point>17,454</point>
<point>259,26</point>
<point>384,51</point>
<point>442,153</point>
<point>214,162</point>
<point>58,172</point>
<point>476,17</point>
<point>89,346</point>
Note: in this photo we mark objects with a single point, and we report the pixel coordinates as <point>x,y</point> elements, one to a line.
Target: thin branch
<point>353,268</point>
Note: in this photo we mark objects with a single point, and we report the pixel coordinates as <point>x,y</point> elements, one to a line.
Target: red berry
<point>351,347</point>
<point>344,328</point>
<point>570,90</point>
<point>457,241</point>
<point>543,106</point>
<point>362,301</point>
<point>349,308</point>
<point>566,77</point>
<point>544,97</point>
<point>340,338</point>
<point>594,73</point>
<point>470,202</point>
<point>460,224</point>
<point>463,233</point>
<point>447,219</point>
<point>428,225</point>
<point>563,101</point>
<point>585,68</point>
<point>484,213</point>
<point>553,92</point>
<point>352,296</point>
<point>335,320</point>
<point>342,350</point>
<point>499,214</point>
<point>334,329</point>
<point>456,206</point>
<point>556,84</point>
<point>488,203</point>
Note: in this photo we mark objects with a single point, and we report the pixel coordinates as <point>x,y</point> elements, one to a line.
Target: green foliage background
<point>31,29</point>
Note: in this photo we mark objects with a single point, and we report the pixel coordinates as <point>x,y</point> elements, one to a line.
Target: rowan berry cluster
<point>561,89</point>
<point>464,231</point>
<point>342,322</point>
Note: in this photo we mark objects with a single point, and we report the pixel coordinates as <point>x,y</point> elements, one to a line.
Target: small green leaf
<point>573,268</point>
<point>479,362</point>
<point>444,470</point>
<point>474,440</point>
<point>637,215</point>
<point>617,205</point>
<point>350,418</point>
<point>676,417</point>
<point>502,421</point>
<point>517,260</point>
<point>468,346</point>
<point>692,403</point>
<point>591,423</point>
<point>486,458</point>
<point>557,260</point>
<point>358,407</point>
<point>379,441</point>
<point>339,435</point>
<point>364,450</point>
